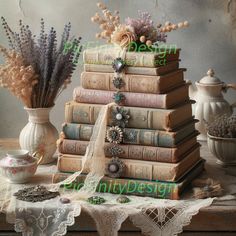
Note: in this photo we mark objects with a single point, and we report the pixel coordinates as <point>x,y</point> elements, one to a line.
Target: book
<point>105,55</point>
<point>137,169</point>
<point>160,70</point>
<point>133,82</point>
<point>146,137</point>
<point>141,118</point>
<point>169,100</point>
<point>156,189</point>
<point>137,152</point>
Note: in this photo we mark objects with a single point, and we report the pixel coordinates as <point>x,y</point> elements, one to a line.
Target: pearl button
<point>113,168</point>
<point>118,116</point>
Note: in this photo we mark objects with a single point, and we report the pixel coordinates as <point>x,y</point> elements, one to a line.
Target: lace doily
<point>51,217</point>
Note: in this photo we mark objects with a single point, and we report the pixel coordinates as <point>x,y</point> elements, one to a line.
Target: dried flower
<point>107,23</point>
<point>141,30</point>
<point>16,77</point>
<point>53,64</point>
<point>143,26</point>
<point>123,36</point>
<point>223,126</point>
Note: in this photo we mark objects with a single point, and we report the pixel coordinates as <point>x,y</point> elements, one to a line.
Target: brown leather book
<point>140,118</point>
<point>133,82</point>
<point>156,189</point>
<point>160,70</point>
<point>137,169</point>
<point>137,152</point>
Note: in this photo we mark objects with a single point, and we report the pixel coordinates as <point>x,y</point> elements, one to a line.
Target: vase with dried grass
<point>36,71</point>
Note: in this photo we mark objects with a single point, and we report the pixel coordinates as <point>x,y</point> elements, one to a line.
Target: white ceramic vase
<point>39,134</point>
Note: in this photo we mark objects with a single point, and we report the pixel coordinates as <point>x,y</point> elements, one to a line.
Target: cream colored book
<point>137,169</point>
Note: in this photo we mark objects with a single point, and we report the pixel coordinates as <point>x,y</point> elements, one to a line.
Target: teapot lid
<point>210,78</point>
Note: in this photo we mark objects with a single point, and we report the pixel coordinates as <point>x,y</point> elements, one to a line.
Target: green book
<point>156,189</point>
<point>147,137</point>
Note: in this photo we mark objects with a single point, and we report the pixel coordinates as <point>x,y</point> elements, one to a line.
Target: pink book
<point>168,100</point>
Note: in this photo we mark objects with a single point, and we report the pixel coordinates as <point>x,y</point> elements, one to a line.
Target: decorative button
<point>120,117</point>
<point>114,134</point>
<point>118,65</point>
<point>115,168</point>
<point>118,97</point>
<point>123,199</point>
<point>96,200</point>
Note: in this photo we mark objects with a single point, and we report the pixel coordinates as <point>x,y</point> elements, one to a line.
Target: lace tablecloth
<point>51,217</point>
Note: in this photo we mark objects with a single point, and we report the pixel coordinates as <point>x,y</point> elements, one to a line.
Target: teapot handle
<point>39,156</point>
<point>233,86</point>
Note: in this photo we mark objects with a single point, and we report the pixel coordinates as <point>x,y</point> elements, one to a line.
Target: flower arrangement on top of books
<point>36,70</point>
<point>141,30</point>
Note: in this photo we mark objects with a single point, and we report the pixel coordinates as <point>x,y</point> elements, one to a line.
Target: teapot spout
<point>192,89</point>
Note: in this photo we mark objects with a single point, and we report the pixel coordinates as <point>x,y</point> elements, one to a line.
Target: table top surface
<point>220,215</point>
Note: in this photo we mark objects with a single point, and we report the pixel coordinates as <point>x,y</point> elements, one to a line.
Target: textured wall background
<point>207,43</point>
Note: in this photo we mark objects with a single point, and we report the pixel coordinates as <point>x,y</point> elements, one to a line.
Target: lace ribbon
<point>94,154</point>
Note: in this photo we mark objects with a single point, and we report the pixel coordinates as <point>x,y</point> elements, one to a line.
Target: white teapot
<point>209,101</point>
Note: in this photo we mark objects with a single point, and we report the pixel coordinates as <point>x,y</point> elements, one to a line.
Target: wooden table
<point>216,220</point>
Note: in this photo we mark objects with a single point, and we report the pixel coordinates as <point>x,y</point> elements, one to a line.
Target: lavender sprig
<point>53,66</point>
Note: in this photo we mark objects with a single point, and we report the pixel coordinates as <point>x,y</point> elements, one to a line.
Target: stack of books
<point>157,153</point>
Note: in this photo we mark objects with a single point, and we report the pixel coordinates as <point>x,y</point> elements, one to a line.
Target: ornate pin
<point>115,168</point>
<point>120,117</point>
<point>114,135</point>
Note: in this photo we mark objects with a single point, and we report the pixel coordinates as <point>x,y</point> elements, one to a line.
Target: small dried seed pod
<point>186,23</point>
<point>174,27</point>
<point>149,43</point>
<point>142,39</point>
<point>180,25</point>
<point>167,23</point>
<point>93,19</point>
<point>98,35</point>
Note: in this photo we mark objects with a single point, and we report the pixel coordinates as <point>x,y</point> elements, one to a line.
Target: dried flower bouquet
<point>141,30</point>
<point>37,69</point>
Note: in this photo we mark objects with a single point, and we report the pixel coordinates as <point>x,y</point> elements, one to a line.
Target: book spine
<point>154,189</point>
<point>131,136</point>
<point>132,83</point>
<point>139,118</point>
<point>146,100</point>
<point>169,67</point>
<point>136,59</point>
<point>137,169</point>
<point>137,152</point>
<point>106,97</point>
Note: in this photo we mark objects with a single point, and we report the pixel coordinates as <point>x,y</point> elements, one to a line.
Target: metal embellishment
<point>118,65</point>
<point>120,117</point>
<point>118,97</point>
<point>118,82</point>
<point>115,168</point>
<point>38,193</point>
<point>123,199</point>
<point>96,200</point>
<point>114,135</point>
<point>130,136</point>
<point>114,150</point>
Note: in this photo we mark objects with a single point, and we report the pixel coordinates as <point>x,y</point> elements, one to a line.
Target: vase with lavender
<point>36,70</point>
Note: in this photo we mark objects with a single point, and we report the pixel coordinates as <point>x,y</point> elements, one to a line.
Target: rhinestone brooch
<point>114,135</point>
<point>96,200</point>
<point>115,168</point>
<point>118,65</point>
<point>120,117</point>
